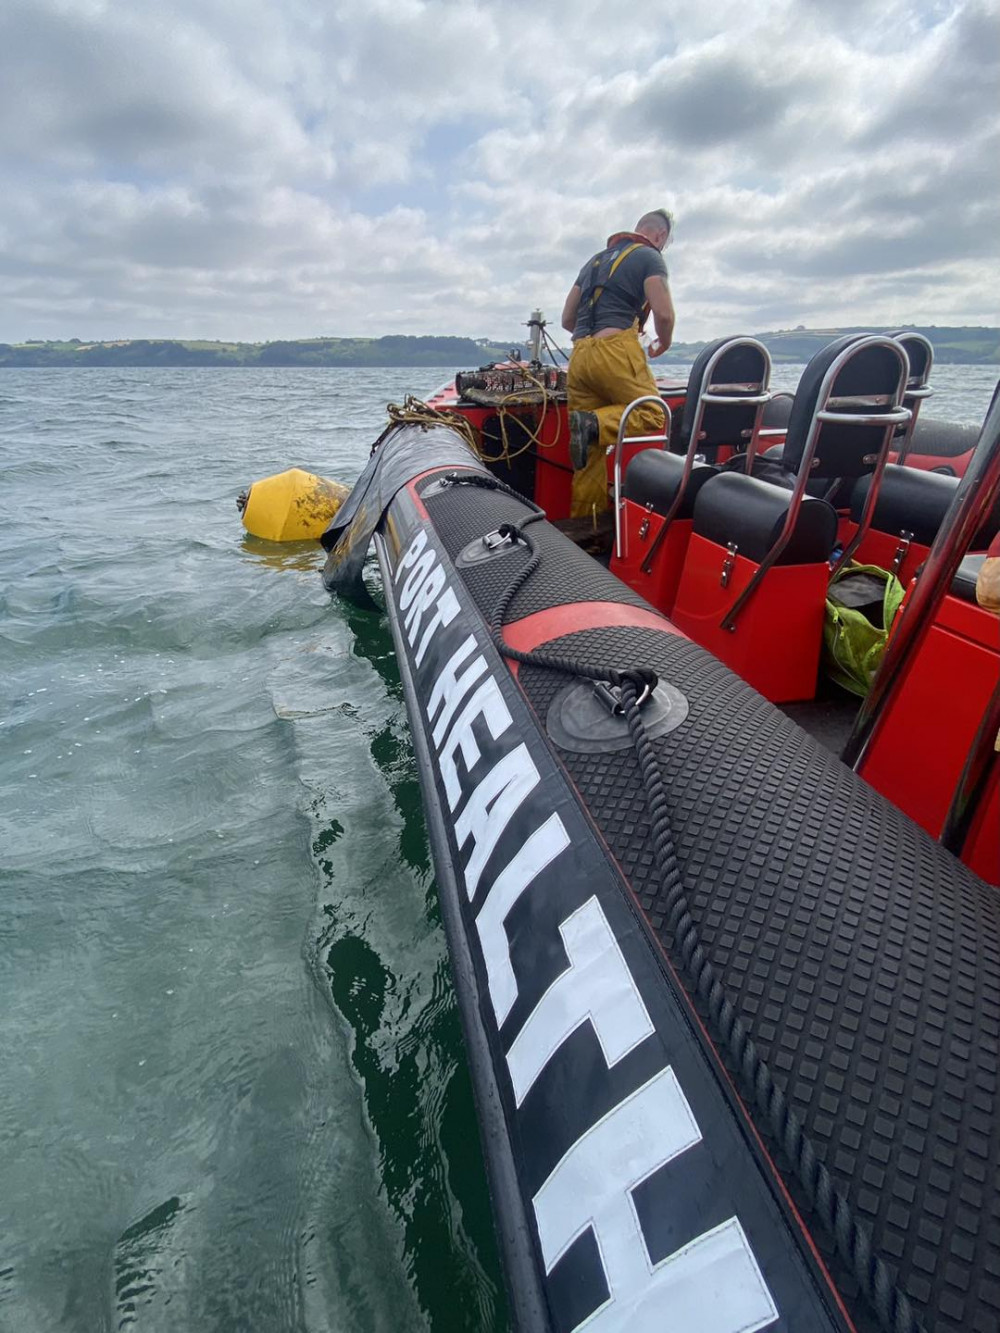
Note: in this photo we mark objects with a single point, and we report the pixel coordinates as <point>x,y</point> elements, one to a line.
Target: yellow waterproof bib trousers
<point>605,375</point>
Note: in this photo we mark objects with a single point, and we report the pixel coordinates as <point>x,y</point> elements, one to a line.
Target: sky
<point>258,169</point>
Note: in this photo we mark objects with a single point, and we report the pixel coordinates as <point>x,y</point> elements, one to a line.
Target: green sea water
<point>234,1095</point>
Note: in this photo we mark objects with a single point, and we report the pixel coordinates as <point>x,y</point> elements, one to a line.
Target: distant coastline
<point>967,345</point>
<point>394,350</point>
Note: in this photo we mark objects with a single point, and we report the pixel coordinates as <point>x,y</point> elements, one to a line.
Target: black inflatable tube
<point>731,1179</point>
<point>863,958</point>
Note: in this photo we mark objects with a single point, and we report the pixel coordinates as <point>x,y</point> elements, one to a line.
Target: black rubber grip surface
<point>865,960</point>
<point>465,514</point>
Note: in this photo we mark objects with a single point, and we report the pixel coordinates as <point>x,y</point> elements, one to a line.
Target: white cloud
<point>266,169</point>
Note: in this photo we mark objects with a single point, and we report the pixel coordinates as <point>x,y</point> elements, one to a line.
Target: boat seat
<point>776,411</point>
<point>909,500</point>
<point>920,355</point>
<point>751,513</point>
<point>727,388</point>
<point>769,464</point>
<point>654,479</point>
<point>756,572</point>
<point>963,585</point>
<point>728,377</point>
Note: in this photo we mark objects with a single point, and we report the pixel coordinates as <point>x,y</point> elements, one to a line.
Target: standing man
<point>606,310</point>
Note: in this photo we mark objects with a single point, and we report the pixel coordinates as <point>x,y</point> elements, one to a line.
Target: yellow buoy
<point>293,506</point>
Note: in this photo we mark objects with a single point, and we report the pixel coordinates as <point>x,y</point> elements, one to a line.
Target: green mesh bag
<point>861,604</point>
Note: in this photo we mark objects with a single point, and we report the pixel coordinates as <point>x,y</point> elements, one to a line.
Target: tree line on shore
<point>968,345</point>
<point>394,350</point>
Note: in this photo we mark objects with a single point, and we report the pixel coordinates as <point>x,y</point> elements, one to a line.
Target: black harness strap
<point>602,270</point>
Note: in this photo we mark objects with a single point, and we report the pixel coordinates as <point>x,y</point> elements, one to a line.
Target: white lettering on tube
<point>450,689</point>
<point>530,860</point>
<point>597,986</point>
<point>430,588</point>
<point>488,703</point>
<point>490,809</point>
<point>713,1284</point>
<point>412,551</point>
<point>415,578</point>
<point>444,613</point>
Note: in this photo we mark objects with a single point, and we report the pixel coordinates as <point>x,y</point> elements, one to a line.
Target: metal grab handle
<point>668,421</point>
<point>871,500</point>
<point>735,399</point>
<point>916,397</point>
<point>888,420</point>
<point>894,418</point>
<point>697,434</point>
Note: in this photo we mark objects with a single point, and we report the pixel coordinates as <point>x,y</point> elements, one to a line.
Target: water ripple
<point>240,1098</point>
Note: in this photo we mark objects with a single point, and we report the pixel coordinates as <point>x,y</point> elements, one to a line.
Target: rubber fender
<point>292,506</point>
<point>943,439</point>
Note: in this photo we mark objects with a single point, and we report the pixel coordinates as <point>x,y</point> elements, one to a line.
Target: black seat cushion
<point>732,507</point>
<point>909,500</point>
<point>914,500</point>
<point>654,477</point>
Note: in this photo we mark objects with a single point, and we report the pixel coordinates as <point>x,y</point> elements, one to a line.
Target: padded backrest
<point>777,410</point>
<point>742,369</point>
<point>920,355</point>
<point>873,369</point>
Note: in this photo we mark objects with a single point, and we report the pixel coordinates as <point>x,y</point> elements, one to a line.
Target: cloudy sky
<point>256,169</point>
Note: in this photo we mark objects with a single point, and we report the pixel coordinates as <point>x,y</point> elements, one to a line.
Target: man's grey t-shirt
<point>620,303</point>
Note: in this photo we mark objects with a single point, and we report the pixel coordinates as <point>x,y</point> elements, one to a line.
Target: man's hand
<point>657,293</point>
<point>656,348</point>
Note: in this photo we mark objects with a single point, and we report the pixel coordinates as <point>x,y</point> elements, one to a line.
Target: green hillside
<point>394,350</point>
<point>961,345</point>
<point>952,345</point>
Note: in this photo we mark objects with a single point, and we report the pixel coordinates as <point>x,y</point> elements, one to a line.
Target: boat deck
<point>828,718</point>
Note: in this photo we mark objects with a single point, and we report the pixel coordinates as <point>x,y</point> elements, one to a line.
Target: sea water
<point>234,1095</point>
